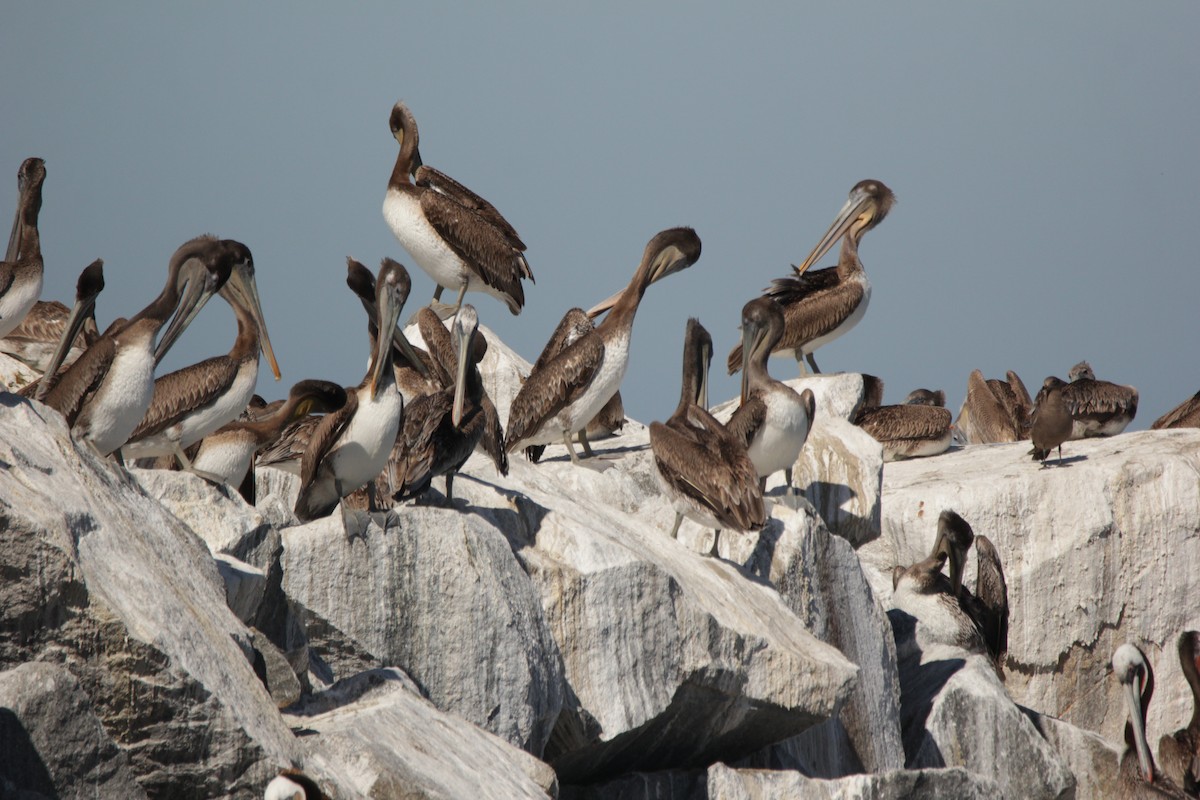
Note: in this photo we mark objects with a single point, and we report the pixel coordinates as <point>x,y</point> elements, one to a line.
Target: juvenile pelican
<point>192,402</point>
<point>988,606</point>
<point>441,429</point>
<point>1098,408</point>
<point>703,467</point>
<point>350,446</point>
<point>821,305</point>
<point>1184,415</point>
<point>1137,774</point>
<point>1050,420</point>
<point>773,420</point>
<point>106,392</point>
<point>453,234</point>
<point>994,410</point>
<point>923,591</point>
<point>561,398</point>
<point>909,430</point>
<point>21,270</point>
<point>292,784</point>
<point>1179,753</point>
<point>226,455</point>
<point>48,324</point>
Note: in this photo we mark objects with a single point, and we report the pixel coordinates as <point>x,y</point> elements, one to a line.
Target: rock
<point>438,593</point>
<point>51,741</point>
<point>820,577</point>
<point>674,657</point>
<point>1098,551</point>
<point>217,514</point>
<point>275,671</point>
<point>101,579</point>
<point>244,586</point>
<point>721,781</point>
<point>401,746</point>
<point>1092,760</point>
<point>15,374</point>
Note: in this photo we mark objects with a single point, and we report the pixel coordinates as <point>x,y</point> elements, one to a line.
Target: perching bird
<point>822,305</point>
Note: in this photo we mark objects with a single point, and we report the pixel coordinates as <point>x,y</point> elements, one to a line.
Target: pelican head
<point>30,177</point>
<point>362,283</point>
<point>668,252</point>
<point>1081,371</point>
<point>870,201</point>
<point>466,323</point>
<point>954,540</point>
<point>87,288</point>
<point>200,268</point>
<point>404,129</point>
<point>762,327</point>
<point>926,397</point>
<point>391,290</point>
<point>1137,684</point>
<point>242,290</point>
<point>315,397</point>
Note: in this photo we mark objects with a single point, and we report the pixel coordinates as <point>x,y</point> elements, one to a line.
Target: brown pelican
<point>21,270</point>
<point>994,410</point>
<point>909,430</point>
<point>193,402</point>
<point>441,429</point>
<point>1184,415</point>
<point>1179,753</point>
<point>453,234</point>
<point>924,592</point>
<point>1050,420</point>
<point>1098,408</point>
<point>292,784</point>
<point>47,325</point>
<point>772,420</point>
<point>988,606</point>
<point>225,455</point>
<point>703,467</point>
<point>1137,775</point>
<point>926,397</point>
<point>561,398</point>
<point>419,373</point>
<point>350,446</point>
<point>106,392</point>
<point>821,305</point>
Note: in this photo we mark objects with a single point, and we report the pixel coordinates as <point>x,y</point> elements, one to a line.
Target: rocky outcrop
<point>1102,549</point>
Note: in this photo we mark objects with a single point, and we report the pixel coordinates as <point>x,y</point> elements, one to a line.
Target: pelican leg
<point>675,529</point>
<point>449,488</point>
<point>587,447</point>
<point>791,488</point>
<point>462,293</point>
<point>570,447</point>
<point>813,362</point>
<point>800,362</point>
<point>437,293</point>
<point>716,539</point>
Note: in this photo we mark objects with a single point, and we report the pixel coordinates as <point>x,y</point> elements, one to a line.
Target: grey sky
<point>1044,157</point>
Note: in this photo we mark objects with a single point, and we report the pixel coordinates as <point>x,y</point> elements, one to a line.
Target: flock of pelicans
<point>419,413</point>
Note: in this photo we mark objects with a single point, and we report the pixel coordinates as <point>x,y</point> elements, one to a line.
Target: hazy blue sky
<point>1043,154</point>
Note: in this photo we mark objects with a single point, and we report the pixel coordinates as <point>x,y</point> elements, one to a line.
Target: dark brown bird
<point>703,467</point>
<point>1051,420</point>
<point>824,304</point>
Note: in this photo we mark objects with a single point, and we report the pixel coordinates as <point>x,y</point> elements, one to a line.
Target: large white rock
<point>103,579</point>
<point>1101,550</point>
<point>217,514</point>
<point>438,593</point>
<point>400,745</point>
